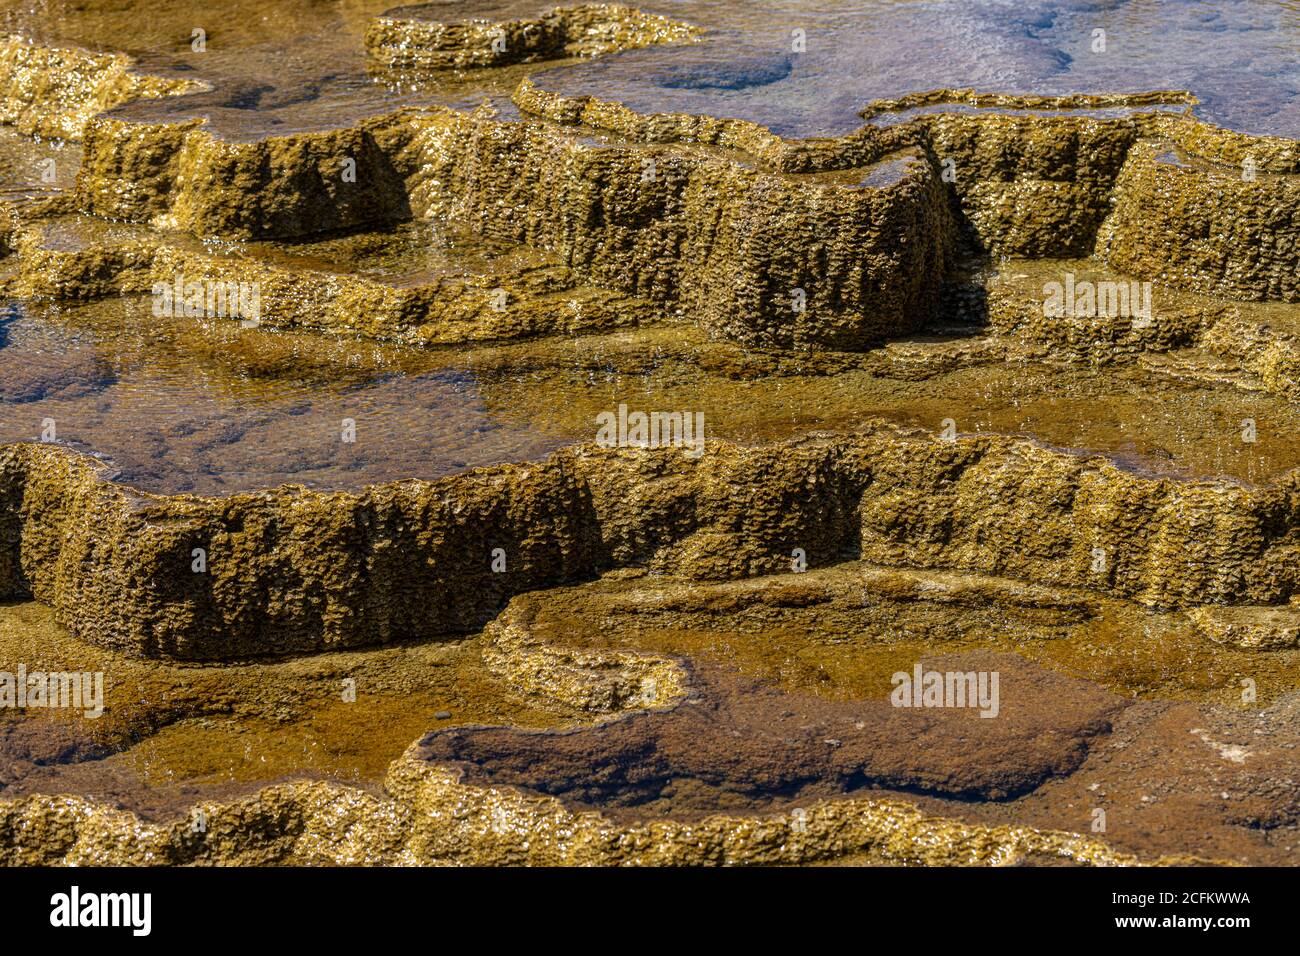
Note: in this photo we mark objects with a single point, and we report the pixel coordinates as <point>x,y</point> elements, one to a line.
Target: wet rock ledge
<point>56,92</point>
<point>835,243</point>
<point>503,33</point>
<point>835,257</point>
<point>292,570</point>
<point>824,244</point>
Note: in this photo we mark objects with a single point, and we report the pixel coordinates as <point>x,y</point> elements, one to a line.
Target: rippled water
<point>172,414</point>
<point>1241,59</point>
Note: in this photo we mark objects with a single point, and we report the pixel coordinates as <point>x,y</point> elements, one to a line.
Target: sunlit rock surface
<point>312,312</point>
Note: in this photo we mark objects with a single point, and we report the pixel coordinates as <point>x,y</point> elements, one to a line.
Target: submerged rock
<point>736,74</point>
<point>1265,628</point>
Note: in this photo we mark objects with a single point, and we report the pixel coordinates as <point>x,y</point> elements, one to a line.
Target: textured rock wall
<point>412,38</point>
<point>1039,184</point>
<point>181,176</point>
<point>768,241</point>
<point>1035,186</point>
<point>541,297</point>
<point>1208,228</point>
<point>730,244</point>
<point>292,570</point>
<point>1013,306</point>
<point>756,256</point>
<point>55,92</point>
<point>12,484</point>
<point>1017,509</point>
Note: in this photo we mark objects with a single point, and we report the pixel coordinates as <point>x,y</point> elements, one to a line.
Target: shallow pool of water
<point>301,64</point>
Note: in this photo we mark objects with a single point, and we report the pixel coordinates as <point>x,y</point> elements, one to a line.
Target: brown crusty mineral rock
<point>498,34</point>
<point>292,570</point>
<point>56,92</point>
<point>1265,628</point>
<point>1210,228</point>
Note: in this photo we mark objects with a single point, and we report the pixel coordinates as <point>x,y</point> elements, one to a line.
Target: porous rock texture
<point>1205,226</point>
<point>292,570</point>
<point>834,243</point>
<point>427,816</point>
<point>181,176</point>
<point>781,243</point>
<point>507,292</point>
<point>416,37</point>
<point>752,255</point>
<point>1042,183</point>
<point>55,92</point>
<point>1011,304</point>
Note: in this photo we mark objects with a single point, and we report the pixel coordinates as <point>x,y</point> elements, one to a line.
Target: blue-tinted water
<point>1242,59</point>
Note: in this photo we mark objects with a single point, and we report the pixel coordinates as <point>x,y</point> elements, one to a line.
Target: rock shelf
<point>733,238</point>
<point>416,37</point>
<point>293,571</point>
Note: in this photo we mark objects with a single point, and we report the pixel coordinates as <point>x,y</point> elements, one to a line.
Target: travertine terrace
<point>909,461</point>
